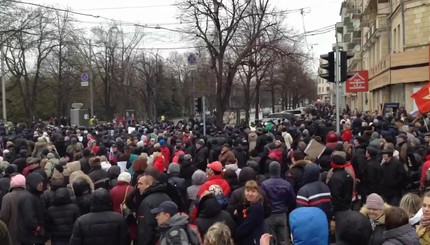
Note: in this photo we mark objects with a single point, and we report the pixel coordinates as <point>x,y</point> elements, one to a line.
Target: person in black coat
<point>31,222</point>
<point>83,188</point>
<point>97,174</point>
<point>187,168</point>
<point>148,195</point>
<point>102,225</point>
<point>61,217</point>
<point>209,212</point>
<point>200,160</point>
<point>393,177</point>
<point>372,172</point>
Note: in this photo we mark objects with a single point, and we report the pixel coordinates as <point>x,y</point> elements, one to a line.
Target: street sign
<point>192,60</point>
<point>358,83</point>
<point>85,77</point>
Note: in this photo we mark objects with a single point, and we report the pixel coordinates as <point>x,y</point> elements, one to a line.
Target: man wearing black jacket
<point>393,177</point>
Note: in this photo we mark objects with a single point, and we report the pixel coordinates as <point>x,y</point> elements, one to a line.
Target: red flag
<point>422,99</point>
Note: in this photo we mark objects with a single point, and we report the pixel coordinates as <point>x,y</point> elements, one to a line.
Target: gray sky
<point>317,14</point>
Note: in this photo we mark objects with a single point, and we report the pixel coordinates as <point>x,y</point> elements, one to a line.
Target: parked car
<point>296,112</point>
<point>281,116</point>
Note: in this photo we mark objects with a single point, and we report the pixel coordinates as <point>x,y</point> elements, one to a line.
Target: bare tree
<point>217,24</point>
<point>27,52</point>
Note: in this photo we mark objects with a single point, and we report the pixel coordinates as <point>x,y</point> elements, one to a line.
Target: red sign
<point>358,83</point>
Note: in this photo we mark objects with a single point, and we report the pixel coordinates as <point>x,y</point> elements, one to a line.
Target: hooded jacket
<point>280,193</point>
<point>31,222</point>
<point>401,235</point>
<point>305,232</point>
<point>210,212</point>
<point>61,216</point>
<point>173,232</point>
<point>314,192</point>
<point>378,225</point>
<point>101,225</point>
<point>83,188</point>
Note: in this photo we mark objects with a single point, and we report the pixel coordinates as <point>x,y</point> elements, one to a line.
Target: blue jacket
<point>280,193</point>
<point>314,193</point>
<point>309,226</point>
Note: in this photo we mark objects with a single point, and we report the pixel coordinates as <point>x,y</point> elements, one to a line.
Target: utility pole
<point>90,80</point>
<point>204,114</point>
<point>337,79</point>
<point>3,82</point>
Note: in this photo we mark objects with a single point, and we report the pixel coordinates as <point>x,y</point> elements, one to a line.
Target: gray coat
<point>403,235</point>
<point>9,212</point>
<point>173,232</point>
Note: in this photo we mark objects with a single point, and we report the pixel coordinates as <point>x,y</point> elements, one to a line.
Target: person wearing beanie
<point>282,198</point>
<point>341,184</point>
<point>102,217</point>
<point>120,191</point>
<point>198,178</point>
<point>187,168</point>
<point>31,212</point>
<point>374,211</point>
<point>9,209</point>
<point>178,182</point>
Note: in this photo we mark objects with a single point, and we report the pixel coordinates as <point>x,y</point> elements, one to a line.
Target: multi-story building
<point>324,91</point>
<point>390,39</point>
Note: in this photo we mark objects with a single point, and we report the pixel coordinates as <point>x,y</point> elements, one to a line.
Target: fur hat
<point>71,167</point>
<point>95,162</point>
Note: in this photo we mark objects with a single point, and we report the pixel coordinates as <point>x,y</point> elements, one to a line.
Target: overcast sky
<point>317,14</point>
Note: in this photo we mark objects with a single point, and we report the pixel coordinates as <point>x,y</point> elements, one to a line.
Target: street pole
<point>90,81</point>
<point>337,79</point>
<point>204,114</point>
<point>3,82</point>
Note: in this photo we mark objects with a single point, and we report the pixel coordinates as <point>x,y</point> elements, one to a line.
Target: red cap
<point>215,166</point>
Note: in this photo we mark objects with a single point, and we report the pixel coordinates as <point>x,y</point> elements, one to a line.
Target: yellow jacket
<point>424,235</point>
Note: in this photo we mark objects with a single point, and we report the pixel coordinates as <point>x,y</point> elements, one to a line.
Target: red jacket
<point>159,164</point>
<point>215,180</point>
<point>118,193</point>
<point>176,156</point>
<point>347,136</point>
<point>166,154</point>
<point>426,166</point>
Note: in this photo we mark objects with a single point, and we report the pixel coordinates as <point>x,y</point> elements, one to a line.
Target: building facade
<point>324,91</point>
<point>390,39</point>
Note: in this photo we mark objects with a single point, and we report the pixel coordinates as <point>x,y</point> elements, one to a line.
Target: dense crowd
<point>168,184</point>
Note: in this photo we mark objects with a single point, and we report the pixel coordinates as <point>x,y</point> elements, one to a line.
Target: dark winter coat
<point>151,198</point>
<point>403,235</point>
<point>280,193</point>
<point>31,222</point>
<point>341,185</point>
<point>241,155</point>
<point>251,227</point>
<point>372,175</point>
<point>314,193</point>
<point>393,177</point>
<point>61,216</point>
<point>4,187</point>
<point>101,225</point>
<point>97,175</point>
<point>83,188</point>
<point>200,160</point>
<point>209,212</point>
<point>187,170</point>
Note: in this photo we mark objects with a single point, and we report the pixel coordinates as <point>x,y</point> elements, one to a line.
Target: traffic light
<point>344,74</point>
<point>198,105</point>
<point>329,67</point>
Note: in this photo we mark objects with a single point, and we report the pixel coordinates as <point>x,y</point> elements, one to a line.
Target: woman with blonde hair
<point>218,234</point>
<point>411,203</point>
<point>250,217</point>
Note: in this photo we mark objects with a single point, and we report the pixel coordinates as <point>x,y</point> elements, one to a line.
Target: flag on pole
<point>422,99</point>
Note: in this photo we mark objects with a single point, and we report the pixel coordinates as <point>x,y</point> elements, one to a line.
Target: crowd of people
<point>169,184</point>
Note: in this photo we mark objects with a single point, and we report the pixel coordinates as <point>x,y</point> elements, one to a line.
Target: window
<point>394,46</point>
<point>328,89</point>
<point>399,40</point>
